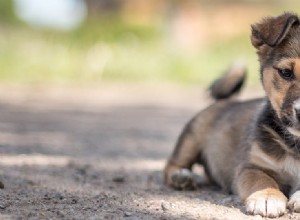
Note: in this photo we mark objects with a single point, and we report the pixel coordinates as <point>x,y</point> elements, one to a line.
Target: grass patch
<point>125,54</point>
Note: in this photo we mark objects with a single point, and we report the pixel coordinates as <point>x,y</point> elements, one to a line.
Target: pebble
<point>165,206</point>
<point>127,214</point>
<point>1,185</point>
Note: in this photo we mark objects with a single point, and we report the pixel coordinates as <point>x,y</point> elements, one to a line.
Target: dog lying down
<point>251,148</point>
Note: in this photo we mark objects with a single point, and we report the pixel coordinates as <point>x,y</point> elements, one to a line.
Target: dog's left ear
<point>272,30</point>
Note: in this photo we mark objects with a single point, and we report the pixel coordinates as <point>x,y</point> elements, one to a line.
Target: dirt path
<point>98,154</point>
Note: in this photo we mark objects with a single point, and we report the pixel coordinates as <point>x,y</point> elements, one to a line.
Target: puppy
<point>251,148</point>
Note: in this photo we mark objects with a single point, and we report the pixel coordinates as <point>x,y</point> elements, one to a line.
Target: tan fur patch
<point>250,181</point>
<point>297,68</point>
<point>188,153</point>
<point>276,97</point>
<point>286,63</point>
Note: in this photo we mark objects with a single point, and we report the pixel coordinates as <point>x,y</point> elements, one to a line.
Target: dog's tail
<point>230,83</point>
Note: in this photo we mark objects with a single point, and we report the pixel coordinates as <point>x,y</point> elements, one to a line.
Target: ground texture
<point>99,154</point>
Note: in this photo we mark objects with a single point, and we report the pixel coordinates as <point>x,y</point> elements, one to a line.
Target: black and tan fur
<point>251,148</point>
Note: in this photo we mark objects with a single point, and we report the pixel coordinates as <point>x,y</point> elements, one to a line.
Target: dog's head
<point>277,40</point>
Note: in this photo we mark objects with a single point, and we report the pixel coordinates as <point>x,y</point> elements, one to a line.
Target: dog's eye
<point>286,73</point>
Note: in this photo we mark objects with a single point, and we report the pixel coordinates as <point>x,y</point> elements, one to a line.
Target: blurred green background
<point>157,41</point>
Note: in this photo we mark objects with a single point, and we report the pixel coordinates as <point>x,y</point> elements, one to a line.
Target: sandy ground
<point>99,154</point>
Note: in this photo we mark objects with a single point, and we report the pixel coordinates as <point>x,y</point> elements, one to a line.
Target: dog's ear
<point>272,30</point>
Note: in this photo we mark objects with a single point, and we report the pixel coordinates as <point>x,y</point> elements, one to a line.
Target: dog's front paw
<point>294,202</point>
<point>183,179</point>
<point>267,203</point>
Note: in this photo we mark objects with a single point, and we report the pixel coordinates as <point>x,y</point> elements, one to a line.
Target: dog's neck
<point>289,136</point>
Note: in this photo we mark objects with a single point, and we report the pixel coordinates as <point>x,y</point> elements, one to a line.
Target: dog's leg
<point>177,172</point>
<point>260,193</point>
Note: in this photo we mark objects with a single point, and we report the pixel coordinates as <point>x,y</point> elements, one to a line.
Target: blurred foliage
<point>123,54</point>
<point>7,12</point>
<point>111,49</point>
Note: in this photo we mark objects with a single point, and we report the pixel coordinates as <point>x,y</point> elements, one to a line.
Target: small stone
<point>2,206</point>
<point>1,185</point>
<point>165,206</point>
<point>127,214</point>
